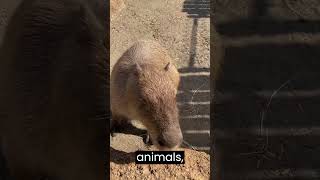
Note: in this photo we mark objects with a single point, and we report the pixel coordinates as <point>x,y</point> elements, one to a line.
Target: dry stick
<point>196,91</point>
<point>188,145</point>
<point>265,148</point>
<point>269,103</point>
<point>299,104</point>
<point>258,163</point>
<point>185,142</point>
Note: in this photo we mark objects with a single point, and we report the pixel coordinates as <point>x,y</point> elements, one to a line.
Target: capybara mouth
<point>168,143</point>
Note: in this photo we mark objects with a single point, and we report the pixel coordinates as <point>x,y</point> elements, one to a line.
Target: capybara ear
<point>167,66</point>
<point>137,69</point>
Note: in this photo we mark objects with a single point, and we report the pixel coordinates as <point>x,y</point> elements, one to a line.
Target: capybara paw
<point>115,128</point>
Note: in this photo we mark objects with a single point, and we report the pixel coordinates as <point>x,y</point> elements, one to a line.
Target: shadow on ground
<point>120,157</point>
<point>266,112</point>
<point>194,90</point>
<point>194,105</point>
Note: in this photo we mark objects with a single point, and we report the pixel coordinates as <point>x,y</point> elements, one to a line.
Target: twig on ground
<point>269,103</point>
<point>188,145</point>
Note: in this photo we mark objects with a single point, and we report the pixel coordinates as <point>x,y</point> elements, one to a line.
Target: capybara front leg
<point>119,123</point>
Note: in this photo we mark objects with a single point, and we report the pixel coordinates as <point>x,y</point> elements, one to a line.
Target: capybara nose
<point>170,141</point>
<point>161,142</point>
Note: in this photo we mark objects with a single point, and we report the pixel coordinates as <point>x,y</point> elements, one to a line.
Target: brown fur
<point>144,84</point>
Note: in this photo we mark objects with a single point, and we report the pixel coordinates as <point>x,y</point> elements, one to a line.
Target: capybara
<point>143,87</point>
<point>53,100</point>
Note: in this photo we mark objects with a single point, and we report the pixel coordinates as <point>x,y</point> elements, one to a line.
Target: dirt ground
<point>196,167</point>
<point>182,27</point>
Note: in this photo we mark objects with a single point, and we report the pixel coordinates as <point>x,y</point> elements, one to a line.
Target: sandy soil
<point>197,167</point>
<point>115,8</point>
<point>163,21</point>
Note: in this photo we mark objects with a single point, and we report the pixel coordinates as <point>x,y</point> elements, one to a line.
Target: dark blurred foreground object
<point>54,83</point>
<point>266,99</point>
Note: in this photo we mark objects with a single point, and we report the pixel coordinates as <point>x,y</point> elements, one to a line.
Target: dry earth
<point>196,167</point>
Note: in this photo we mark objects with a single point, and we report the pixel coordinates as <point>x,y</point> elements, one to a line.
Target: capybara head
<point>156,90</point>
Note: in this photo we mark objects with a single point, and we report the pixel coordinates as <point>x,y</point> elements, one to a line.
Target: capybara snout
<point>170,138</point>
